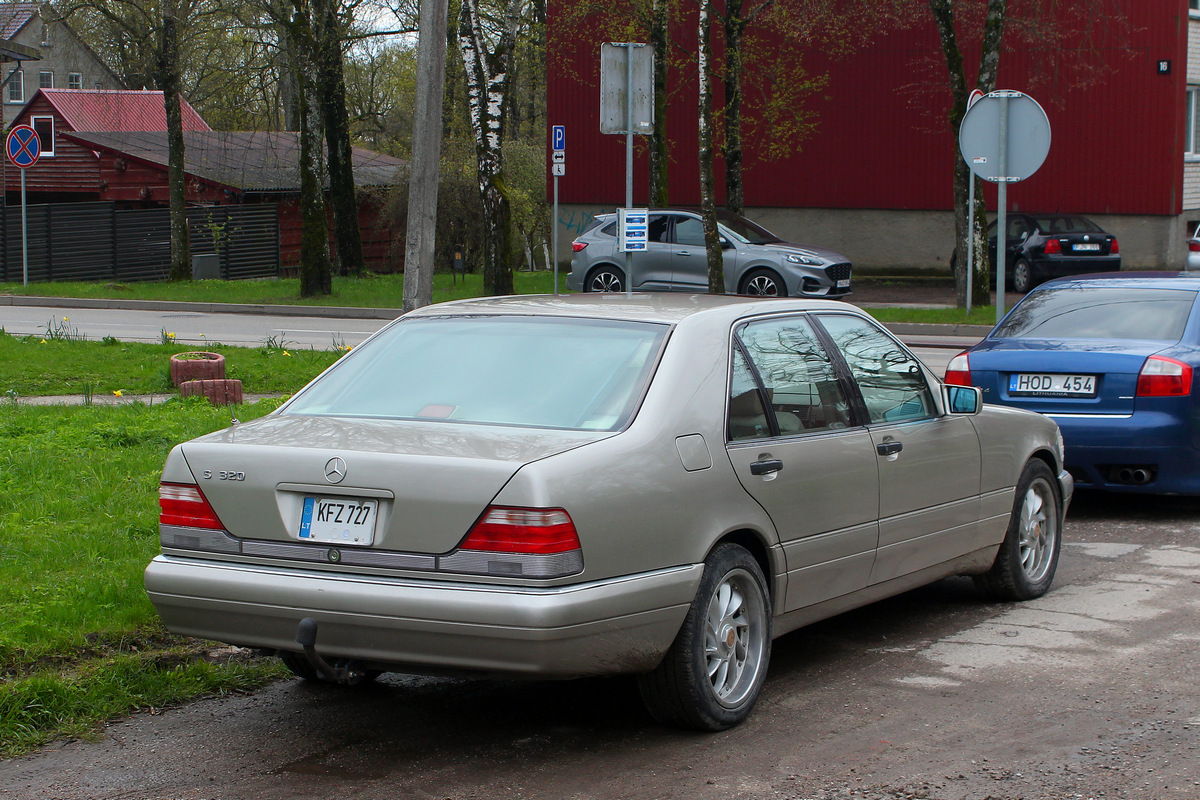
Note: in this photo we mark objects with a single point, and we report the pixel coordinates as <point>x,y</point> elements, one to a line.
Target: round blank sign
<point>1004,137</point>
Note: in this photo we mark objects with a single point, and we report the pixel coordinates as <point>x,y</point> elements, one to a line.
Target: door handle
<point>766,467</point>
<point>889,448</point>
<point>683,252</point>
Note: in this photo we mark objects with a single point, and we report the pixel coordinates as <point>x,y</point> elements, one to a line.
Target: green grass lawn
<point>80,642</point>
<point>373,291</point>
<point>36,365</point>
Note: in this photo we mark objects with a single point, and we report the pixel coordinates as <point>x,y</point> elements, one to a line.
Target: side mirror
<point>961,399</point>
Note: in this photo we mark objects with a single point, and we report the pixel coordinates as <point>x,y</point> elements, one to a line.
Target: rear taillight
<point>958,371</point>
<point>503,529</point>
<point>1164,377</point>
<point>1053,247</point>
<point>577,246</point>
<point>1194,245</point>
<point>1114,248</point>
<point>184,505</point>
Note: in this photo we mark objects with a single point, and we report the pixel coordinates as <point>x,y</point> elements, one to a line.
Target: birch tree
<point>708,206</point>
<point>487,52</point>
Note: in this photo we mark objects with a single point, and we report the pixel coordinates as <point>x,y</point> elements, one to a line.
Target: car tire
<point>605,278</point>
<point>1022,276</point>
<point>1028,558</point>
<point>763,283</point>
<point>712,675</point>
<point>298,665</point>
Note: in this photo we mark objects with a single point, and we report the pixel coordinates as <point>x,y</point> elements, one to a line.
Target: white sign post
<point>627,106</point>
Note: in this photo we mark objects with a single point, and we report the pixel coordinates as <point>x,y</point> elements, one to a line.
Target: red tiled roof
<point>110,110</point>
<point>14,16</point>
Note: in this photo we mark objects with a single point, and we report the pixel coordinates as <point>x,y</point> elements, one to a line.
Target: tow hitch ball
<point>347,671</point>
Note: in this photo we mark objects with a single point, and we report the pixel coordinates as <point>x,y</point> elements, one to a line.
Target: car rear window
<point>1074,312</point>
<point>546,372</point>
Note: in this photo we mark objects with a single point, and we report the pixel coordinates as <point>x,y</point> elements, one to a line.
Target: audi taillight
<point>958,371</point>
<point>1164,377</point>
<point>185,505</point>
<point>505,529</point>
<point>1053,248</point>
<point>578,246</point>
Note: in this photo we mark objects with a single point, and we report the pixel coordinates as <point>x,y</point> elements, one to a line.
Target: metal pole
<point>24,235</point>
<point>629,157</point>
<point>970,239</point>
<point>554,235</point>
<point>1002,210</point>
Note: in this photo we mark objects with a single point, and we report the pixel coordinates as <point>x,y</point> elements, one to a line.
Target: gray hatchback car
<point>757,262</point>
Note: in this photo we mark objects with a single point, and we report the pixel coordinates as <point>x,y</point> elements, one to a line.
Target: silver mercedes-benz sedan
<point>562,486</point>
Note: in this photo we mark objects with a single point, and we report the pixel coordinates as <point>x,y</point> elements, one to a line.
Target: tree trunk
<point>659,154</point>
<point>169,80</point>
<point>488,72</point>
<point>331,83</point>
<point>708,209</point>
<point>735,35</point>
<point>315,274</point>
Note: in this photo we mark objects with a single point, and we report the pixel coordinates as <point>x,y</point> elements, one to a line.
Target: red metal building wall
<point>882,140</point>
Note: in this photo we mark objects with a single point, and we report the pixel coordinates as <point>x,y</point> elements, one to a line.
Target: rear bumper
<point>1061,267</point>
<point>620,625</point>
<point>1158,443</point>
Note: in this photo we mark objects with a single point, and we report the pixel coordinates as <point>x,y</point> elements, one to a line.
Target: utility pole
<point>426,155</point>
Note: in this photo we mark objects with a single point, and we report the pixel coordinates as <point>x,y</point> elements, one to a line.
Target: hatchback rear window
<point>1074,312</point>
<point>544,372</point>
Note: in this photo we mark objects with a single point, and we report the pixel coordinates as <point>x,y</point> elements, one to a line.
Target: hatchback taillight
<point>958,371</point>
<point>1164,377</point>
<point>185,505</point>
<point>1053,247</point>
<point>504,529</point>
<point>577,246</point>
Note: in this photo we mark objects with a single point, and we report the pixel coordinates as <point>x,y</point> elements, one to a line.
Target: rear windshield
<point>1100,313</point>
<point>565,373</point>
<point>1067,225</point>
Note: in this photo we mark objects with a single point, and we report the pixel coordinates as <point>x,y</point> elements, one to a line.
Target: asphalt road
<point>1088,692</point>
<point>198,328</point>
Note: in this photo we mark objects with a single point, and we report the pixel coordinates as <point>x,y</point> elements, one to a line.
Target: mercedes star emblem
<point>335,470</point>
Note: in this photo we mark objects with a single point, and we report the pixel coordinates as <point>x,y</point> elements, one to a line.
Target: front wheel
<point>714,671</point>
<point>1025,565</point>
<point>763,283</point>
<point>605,279</point>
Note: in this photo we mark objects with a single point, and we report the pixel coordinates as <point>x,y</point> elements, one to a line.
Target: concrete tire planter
<point>197,366</point>
<point>219,392</point>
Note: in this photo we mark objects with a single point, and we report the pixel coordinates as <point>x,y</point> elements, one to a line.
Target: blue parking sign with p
<point>558,137</point>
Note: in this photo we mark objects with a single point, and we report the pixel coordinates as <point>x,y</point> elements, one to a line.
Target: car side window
<point>747,415</point>
<point>659,227</point>
<point>797,374</point>
<point>891,381</point>
<point>1017,228</point>
<point>689,231</point>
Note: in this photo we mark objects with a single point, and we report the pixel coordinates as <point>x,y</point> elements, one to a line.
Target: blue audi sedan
<point>1110,358</point>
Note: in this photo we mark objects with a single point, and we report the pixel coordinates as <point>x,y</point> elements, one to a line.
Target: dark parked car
<point>1044,246</point>
<point>1111,359</point>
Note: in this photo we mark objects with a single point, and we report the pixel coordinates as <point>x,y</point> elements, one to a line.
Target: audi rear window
<point>1085,312</point>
